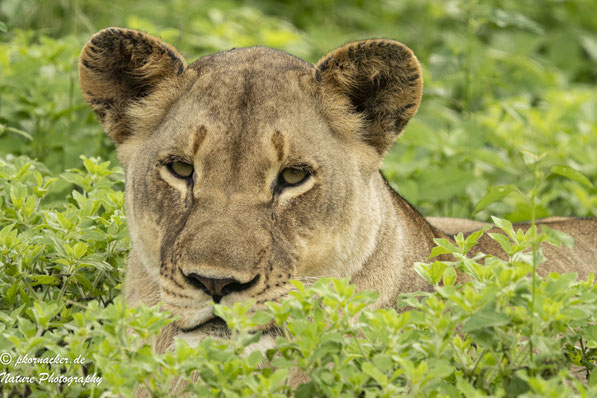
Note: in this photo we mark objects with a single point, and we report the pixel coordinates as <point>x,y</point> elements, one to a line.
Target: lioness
<point>251,167</point>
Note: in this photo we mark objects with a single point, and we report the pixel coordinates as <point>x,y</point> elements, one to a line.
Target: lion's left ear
<point>380,81</point>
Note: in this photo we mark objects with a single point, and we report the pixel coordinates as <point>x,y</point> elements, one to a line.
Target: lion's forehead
<point>257,58</point>
<point>246,87</point>
<point>248,99</point>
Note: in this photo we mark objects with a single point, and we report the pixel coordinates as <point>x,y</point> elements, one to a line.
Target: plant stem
<point>535,247</point>
<point>472,26</point>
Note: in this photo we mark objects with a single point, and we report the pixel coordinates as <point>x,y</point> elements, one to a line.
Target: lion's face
<point>248,168</point>
<point>236,182</point>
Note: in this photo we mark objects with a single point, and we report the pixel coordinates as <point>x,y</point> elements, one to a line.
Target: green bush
<point>67,252</point>
<point>42,114</point>
<point>503,333</point>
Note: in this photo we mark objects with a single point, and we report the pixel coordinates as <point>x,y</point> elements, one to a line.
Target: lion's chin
<point>214,327</point>
<point>191,318</point>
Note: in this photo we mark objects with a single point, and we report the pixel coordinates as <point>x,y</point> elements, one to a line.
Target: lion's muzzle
<point>218,288</point>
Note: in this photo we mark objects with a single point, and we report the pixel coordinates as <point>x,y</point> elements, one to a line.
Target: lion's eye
<point>293,176</point>
<point>181,169</point>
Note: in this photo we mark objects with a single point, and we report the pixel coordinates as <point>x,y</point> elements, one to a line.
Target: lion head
<point>250,167</point>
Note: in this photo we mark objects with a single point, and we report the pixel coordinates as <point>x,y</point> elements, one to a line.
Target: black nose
<point>218,288</point>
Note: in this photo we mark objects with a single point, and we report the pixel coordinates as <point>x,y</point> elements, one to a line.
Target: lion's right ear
<point>119,67</point>
<point>378,81</point>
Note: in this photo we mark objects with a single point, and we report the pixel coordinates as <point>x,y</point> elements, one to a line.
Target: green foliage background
<point>502,78</point>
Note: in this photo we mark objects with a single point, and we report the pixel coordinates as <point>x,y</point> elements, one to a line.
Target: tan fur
<point>240,118</point>
<point>452,226</point>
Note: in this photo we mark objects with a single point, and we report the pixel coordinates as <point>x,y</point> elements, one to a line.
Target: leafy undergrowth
<point>502,333</point>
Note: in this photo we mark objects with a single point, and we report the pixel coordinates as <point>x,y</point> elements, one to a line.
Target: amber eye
<point>293,176</point>
<point>181,169</point>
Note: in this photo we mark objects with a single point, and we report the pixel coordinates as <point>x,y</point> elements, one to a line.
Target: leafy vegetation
<point>500,76</point>
<point>505,332</point>
<point>504,80</point>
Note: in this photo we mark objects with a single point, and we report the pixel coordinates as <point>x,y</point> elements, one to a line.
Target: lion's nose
<point>218,288</point>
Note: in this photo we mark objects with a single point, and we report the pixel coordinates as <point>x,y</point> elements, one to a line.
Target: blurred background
<point>502,77</point>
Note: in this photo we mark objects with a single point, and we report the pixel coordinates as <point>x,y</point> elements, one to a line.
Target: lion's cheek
<point>144,234</point>
<point>340,246</point>
<point>147,205</point>
<point>146,238</point>
<point>338,253</point>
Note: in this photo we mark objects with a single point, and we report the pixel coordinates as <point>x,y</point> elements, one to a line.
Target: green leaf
<point>44,280</point>
<point>503,240</point>
<point>306,390</point>
<point>86,283</point>
<point>449,276</point>
<point>255,358</point>
<point>506,226</point>
<point>570,173</point>
<point>473,239</point>
<point>440,369</point>
<point>16,131</point>
<point>518,385</point>
<point>495,194</point>
<point>438,251</point>
<point>436,271</point>
<point>378,376</point>
<point>556,237</point>
<point>589,44</point>
<point>504,19</point>
<point>79,249</point>
<point>446,244</point>
<point>283,363</point>
<point>486,317</point>
<point>11,294</point>
<point>422,270</point>
<point>18,192</point>
<point>383,362</point>
<point>593,379</point>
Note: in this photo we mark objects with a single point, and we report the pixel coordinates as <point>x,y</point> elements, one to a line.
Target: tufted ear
<point>119,67</point>
<point>377,80</point>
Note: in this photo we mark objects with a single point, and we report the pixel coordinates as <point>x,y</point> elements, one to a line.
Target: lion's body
<point>209,149</point>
